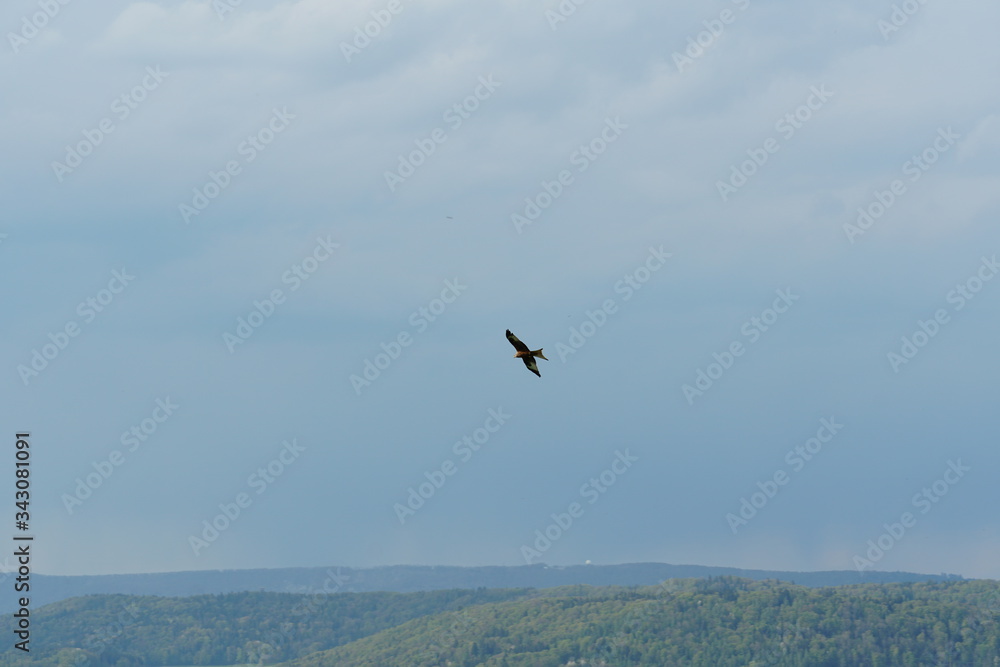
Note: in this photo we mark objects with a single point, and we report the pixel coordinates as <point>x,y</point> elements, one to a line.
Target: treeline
<point>225,629</point>
<point>718,622</point>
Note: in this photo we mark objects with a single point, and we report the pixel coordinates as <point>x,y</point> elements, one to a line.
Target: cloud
<point>190,30</point>
<point>656,184</point>
<point>982,141</point>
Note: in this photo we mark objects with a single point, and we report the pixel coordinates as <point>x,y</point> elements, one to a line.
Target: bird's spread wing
<point>529,361</point>
<point>518,345</point>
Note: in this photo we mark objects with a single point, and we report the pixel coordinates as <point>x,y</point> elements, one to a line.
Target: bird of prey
<point>526,355</point>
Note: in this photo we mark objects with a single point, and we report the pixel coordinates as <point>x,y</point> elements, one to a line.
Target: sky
<point>258,260</point>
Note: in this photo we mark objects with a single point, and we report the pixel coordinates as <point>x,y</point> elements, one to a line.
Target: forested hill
<point>407,578</point>
<point>717,622</point>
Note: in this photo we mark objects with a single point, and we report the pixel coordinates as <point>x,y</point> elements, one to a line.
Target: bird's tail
<point>538,353</point>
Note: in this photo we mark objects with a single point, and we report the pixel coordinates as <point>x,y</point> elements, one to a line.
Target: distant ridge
<point>411,578</point>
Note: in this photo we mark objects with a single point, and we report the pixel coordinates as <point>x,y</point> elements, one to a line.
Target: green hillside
<point>221,629</point>
<point>712,623</point>
<point>716,622</point>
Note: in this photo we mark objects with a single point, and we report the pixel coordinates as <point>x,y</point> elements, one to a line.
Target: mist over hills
<point>46,589</point>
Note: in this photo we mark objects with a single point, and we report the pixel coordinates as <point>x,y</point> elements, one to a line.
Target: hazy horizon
<point>480,565</point>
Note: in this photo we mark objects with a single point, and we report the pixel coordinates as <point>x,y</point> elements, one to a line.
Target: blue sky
<point>756,240</point>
